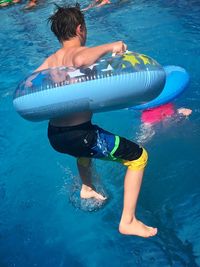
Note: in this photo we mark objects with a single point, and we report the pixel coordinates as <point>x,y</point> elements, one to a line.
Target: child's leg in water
<point>85,171</point>
<point>132,156</point>
<point>129,225</point>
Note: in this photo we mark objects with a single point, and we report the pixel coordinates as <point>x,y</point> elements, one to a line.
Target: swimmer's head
<point>67,23</point>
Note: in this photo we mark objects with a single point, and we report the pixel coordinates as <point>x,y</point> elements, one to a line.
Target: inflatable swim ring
<point>111,83</point>
<point>176,82</point>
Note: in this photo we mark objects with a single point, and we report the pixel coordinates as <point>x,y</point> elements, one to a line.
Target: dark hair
<point>65,21</point>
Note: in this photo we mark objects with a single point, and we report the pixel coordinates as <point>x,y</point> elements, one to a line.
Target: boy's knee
<point>139,163</point>
<point>84,162</point>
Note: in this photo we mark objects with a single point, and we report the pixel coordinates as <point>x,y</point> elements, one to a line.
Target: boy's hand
<point>119,48</point>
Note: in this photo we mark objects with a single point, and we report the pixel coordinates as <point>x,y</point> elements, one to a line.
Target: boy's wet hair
<point>65,20</point>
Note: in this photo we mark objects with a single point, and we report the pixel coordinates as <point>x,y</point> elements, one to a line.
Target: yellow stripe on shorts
<point>137,164</point>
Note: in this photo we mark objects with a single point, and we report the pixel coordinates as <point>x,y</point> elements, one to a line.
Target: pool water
<point>42,220</point>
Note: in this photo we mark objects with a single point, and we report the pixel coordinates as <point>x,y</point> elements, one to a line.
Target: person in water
<point>97,3</point>
<point>150,118</point>
<point>158,114</point>
<point>77,136</point>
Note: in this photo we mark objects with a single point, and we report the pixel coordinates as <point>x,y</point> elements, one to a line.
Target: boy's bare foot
<point>137,228</point>
<point>90,193</point>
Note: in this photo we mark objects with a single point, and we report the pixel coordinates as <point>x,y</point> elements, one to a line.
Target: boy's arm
<point>87,56</point>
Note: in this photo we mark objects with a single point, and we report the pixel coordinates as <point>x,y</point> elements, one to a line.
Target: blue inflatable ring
<point>112,83</point>
<point>176,82</point>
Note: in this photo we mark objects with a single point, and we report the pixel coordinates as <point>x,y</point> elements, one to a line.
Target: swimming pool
<point>42,222</point>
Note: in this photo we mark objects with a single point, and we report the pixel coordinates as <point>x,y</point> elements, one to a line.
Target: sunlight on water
<point>43,221</point>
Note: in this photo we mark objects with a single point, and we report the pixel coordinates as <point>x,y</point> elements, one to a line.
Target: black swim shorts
<point>90,141</point>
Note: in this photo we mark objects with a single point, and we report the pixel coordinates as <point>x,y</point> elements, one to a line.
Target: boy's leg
<point>135,158</point>
<point>85,170</point>
<point>129,225</point>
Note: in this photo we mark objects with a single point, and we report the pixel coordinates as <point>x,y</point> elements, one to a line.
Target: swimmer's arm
<point>87,56</point>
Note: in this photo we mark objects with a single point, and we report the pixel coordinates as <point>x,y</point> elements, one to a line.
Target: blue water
<point>42,221</point>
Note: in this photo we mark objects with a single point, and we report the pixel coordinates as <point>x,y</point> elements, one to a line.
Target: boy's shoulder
<point>49,62</point>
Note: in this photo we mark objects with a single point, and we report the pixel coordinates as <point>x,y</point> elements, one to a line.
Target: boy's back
<point>65,57</point>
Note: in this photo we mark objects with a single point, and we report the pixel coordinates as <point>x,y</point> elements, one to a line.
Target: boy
<point>77,136</point>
